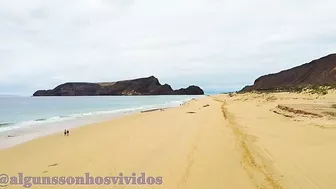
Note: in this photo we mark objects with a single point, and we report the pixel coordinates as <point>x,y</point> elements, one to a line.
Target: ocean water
<point>26,118</point>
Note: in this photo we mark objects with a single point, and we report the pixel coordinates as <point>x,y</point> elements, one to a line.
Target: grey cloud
<point>218,44</point>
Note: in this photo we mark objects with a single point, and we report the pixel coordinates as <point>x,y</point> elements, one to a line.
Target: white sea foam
<point>15,133</point>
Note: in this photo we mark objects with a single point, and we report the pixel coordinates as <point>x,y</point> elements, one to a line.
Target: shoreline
<point>11,138</point>
<point>19,135</point>
<point>219,141</point>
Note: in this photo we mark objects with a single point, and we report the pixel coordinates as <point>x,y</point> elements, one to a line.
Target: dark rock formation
<point>142,86</point>
<point>320,72</point>
<point>189,91</point>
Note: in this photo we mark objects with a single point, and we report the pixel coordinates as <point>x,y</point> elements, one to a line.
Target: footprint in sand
<point>191,112</point>
<point>53,165</point>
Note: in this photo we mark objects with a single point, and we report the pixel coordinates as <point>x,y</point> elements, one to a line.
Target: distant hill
<point>317,72</point>
<point>142,86</point>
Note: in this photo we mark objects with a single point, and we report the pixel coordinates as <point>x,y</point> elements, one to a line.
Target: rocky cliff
<point>141,86</point>
<point>318,72</point>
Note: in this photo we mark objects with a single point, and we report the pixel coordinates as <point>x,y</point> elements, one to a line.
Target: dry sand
<point>240,142</point>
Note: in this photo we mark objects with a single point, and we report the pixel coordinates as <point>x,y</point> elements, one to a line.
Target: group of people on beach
<point>66,132</point>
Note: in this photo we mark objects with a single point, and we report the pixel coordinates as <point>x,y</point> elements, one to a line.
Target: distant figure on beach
<point>67,132</point>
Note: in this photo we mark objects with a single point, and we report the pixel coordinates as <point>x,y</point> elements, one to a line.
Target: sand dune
<point>243,141</point>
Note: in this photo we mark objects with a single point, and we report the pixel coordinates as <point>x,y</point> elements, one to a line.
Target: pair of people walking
<point>66,132</point>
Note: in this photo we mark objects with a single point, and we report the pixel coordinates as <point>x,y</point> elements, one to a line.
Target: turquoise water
<point>17,112</point>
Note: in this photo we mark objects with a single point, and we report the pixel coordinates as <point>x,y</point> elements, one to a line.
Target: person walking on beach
<point>67,132</point>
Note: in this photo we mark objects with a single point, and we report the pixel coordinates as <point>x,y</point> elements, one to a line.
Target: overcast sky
<point>220,45</point>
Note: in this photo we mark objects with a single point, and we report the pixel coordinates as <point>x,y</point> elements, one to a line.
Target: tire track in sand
<point>256,166</point>
<point>191,160</point>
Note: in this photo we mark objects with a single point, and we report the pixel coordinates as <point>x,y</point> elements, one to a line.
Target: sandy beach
<point>243,141</point>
